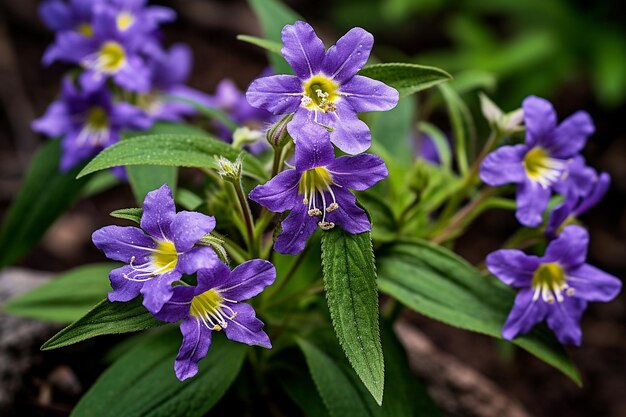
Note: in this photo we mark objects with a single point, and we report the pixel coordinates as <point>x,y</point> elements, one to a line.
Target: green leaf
<point>393,130</point>
<point>188,200</point>
<point>67,297</point>
<point>132,214</point>
<point>273,16</point>
<point>105,318</point>
<point>170,150</point>
<point>299,386</point>
<point>146,178</point>
<point>99,183</point>
<point>46,193</point>
<point>384,225</point>
<point>339,395</point>
<point>441,143</point>
<point>208,112</point>
<point>406,78</point>
<point>142,382</point>
<point>462,126</point>
<point>266,44</point>
<point>435,282</point>
<point>350,282</point>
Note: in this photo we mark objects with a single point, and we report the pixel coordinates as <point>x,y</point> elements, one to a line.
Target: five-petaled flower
<point>159,254</point>
<point>555,287</point>
<point>542,162</point>
<point>87,122</point>
<point>215,304</point>
<point>317,190</point>
<point>325,89</point>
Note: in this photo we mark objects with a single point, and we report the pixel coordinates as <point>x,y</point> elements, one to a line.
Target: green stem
<point>247,217</point>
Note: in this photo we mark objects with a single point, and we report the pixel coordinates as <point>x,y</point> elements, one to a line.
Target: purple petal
<point>91,81</point>
<point>344,59</point>
<point>54,122</point>
<point>524,315</point>
<point>313,147</point>
<point>593,284</point>
<point>178,306</point>
<point>600,188</point>
<point>123,289</point>
<point>158,290</point>
<point>570,248</point>
<point>278,94</point>
<point>563,319</point>
<point>559,215</point>
<point>540,120</point>
<point>364,94</point>
<point>532,200</point>
<point>192,261</point>
<point>571,135</point>
<point>296,229</point>
<point>69,47</point>
<point>76,150</point>
<point>302,49</point>
<point>188,227</point>
<point>122,243</point>
<point>513,267</point>
<point>158,212</point>
<point>134,76</point>
<point>351,135</point>
<point>195,346</point>
<point>280,193</point>
<point>349,216</point>
<point>578,179</point>
<point>211,278</point>
<point>127,116</point>
<point>358,172</point>
<point>504,165</point>
<point>246,328</point>
<point>56,14</point>
<point>248,280</point>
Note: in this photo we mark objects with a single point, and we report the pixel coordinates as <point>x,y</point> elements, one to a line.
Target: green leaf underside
<point>170,150</point>
<point>45,194</point>
<point>406,78</point>
<point>67,297</point>
<point>435,282</point>
<point>350,283</point>
<point>132,214</point>
<point>105,318</point>
<point>146,178</point>
<point>142,382</point>
<point>266,44</point>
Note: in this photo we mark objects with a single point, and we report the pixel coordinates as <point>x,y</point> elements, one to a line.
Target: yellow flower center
<point>313,183</point>
<point>549,281</point>
<point>541,168</point>
<point>85,29</point>
<point>165,256</point>
<point>97,118</point>
<point>111,57</point>
<point>209,307</point>
<point>320,93</point>
<point>124,20</point>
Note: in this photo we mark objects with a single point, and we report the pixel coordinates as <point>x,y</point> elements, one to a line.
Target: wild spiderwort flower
<point>157,254</point>
<point>317,190</point>
<point>325,89</point>
<point>576,204</point>
<point>87,122</point>
<point>214,304</point>
<point>109,52</point>
<point>555,287</point>
<point>542,162</point>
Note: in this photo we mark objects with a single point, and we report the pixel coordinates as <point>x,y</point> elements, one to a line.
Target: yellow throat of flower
<point>211,309</point>
<point>313,184</point>
<point>97,118</point>
<point>541,168</point>
<point>165,256</point>
<point>111,57</point>
<point>85,29</point>
<point>549,282</point>
<point>124,20</point>
<point>320,93</point>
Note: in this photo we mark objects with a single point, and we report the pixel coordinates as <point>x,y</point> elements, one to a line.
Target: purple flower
<point>157,254</point>
<point>325,89</point>
<point>75,15</point>
<point>136,13</point>
<point>542,162</point>
<point>87,122</point>
<point>109,52</point>
<point>215,304</point>
<point>576,204</point>
<point>555,287</point>
<point>317,190</point>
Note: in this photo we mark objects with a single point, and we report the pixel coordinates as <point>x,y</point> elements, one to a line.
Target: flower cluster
<point>168,247</point>
<point>125,78</point>
<point>324,95</point>
<point>557,286</point>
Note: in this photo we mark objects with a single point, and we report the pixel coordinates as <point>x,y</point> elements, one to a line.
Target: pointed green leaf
<point>67,297</point>
<point>266,44</point>
<point>45,194</point>
<point>105,318</point>
<point>132,214</point>
<point>437,283</point>
<point>406,78</point>
<point>350,282</point>
<point>142,382</point>
<point>170,150</point>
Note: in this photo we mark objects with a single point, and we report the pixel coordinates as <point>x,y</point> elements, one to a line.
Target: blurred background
<point>571,52</point>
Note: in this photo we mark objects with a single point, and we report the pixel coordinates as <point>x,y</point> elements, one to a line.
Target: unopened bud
<point>503,122</point>
<point>244,135</point>
<point>278,136</point>
<point>419,177</point>
<point>227,169</point>
<point>217,245</point>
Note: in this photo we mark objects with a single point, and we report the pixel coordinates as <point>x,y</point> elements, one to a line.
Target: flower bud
<point>419,177</point>
<point>278,136</point>
<point>230,171</point>
<point>503,122</point>
<point>217,245</point>
<point>244,135</point>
